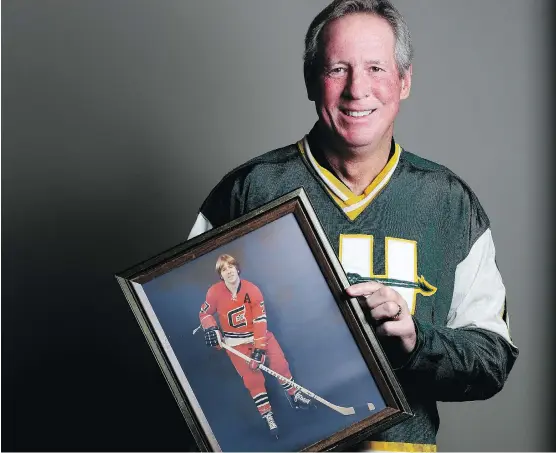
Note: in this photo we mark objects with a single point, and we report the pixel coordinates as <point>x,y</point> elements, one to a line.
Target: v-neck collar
<point>352,205</point>
<point>237,292</point>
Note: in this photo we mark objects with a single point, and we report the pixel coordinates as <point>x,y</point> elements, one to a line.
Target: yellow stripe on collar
<point>351,204</point>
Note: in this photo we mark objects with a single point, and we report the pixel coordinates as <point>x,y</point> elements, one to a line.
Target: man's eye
<point>376,69</point>
<point>336,71</point>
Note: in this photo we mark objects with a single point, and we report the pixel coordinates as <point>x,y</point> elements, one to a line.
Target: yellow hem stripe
<point>399,446</point>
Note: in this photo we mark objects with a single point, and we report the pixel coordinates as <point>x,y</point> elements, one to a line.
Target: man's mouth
<point>357,113</point>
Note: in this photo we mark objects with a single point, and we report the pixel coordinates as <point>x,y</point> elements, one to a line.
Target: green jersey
<point>416,222</point>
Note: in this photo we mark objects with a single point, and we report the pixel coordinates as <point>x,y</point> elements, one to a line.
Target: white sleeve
<point>479,297</point>
<point>200,226</point>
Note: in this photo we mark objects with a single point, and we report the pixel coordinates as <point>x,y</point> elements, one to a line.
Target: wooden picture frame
<point>329,348</point>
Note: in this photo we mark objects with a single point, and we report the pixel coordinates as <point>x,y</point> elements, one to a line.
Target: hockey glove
<point>212,335</point>
<point>258,357</point>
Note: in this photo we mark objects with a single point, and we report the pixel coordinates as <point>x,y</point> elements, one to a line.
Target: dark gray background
<point>118,117</point>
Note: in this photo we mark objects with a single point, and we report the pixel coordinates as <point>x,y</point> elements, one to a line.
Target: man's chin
<point>350,137</point>
<point>363,140</point>
<point>357,141</point>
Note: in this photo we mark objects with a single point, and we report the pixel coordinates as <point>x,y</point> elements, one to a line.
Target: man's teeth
<point>358,114</point>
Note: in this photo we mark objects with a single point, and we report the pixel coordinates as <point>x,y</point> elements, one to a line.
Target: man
<point>388,213</point>
<point>239,306</point>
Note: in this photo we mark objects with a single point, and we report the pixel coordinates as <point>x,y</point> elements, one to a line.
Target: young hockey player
<point>234,312</point>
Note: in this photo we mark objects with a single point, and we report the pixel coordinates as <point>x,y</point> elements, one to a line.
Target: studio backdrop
<point>119,116</point>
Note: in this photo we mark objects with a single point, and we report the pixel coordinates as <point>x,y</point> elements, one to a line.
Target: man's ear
<point>406,83</point>
<point>313,92</point>
<point>310,85</point>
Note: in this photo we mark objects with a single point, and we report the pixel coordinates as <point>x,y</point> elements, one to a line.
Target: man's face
<point>359,88</point>
<point>229,273</point>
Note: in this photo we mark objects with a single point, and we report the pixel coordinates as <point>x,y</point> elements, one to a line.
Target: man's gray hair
<point>403,50</point>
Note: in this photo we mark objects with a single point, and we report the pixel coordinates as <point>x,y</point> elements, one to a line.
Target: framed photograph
<point>258,341</point>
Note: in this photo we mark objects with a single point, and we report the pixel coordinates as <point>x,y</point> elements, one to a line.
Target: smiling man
<point>357,93</point>
<point>390,215</point>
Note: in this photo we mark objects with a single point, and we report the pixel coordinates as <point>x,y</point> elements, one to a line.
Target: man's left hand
<point>389,311</point>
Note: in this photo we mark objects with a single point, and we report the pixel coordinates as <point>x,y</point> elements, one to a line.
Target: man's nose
<point>358,85</point>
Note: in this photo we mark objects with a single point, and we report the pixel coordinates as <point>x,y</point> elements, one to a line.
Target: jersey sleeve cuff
<point>418,347</point>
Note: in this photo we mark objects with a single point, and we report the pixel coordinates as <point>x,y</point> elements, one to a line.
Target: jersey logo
<point>236,317</point>
<point>205,307</point>
<point>246,299</point>
<point>356,256</point>
<point>424,287</point>
<point>262,307</point>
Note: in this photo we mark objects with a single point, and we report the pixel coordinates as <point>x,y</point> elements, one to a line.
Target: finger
<point>363,289</point>
<point>381,296</point>
<point>386,310</point>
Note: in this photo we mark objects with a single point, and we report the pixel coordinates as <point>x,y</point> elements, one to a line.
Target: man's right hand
<point>212,337</point>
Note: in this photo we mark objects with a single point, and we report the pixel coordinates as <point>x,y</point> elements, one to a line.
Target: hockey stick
<point>342,410</point>
<point>195,330</point>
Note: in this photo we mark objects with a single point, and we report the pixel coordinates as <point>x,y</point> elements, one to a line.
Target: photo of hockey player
<point>299,331</point>
<point>239,306</point>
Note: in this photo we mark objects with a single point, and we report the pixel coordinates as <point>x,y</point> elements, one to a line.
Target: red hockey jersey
<point>242,318</point>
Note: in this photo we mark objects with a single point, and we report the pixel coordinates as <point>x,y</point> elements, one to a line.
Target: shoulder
<point>254,183</point>
<point>426,168</point>
<point>251,287</point>
<point>216,289</point>
<point>438,178</point>
<point>445,192</point>
<point>273,163</point>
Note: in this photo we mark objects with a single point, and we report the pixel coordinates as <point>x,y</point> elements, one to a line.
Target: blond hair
<point>223,260</point>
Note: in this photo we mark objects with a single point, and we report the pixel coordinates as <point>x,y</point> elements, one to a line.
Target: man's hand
<point>212,335</point>
<point>390,313</point>
<point>258,357</point>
